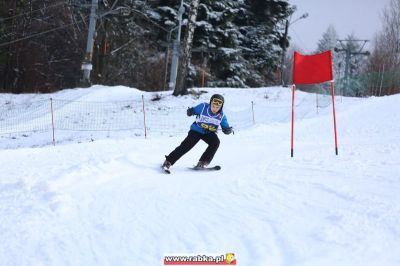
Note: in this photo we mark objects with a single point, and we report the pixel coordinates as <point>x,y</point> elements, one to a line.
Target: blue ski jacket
<point>207,121</point>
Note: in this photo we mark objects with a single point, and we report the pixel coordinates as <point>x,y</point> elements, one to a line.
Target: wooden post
<point>252,110</point>
<point>202,77</point>
<point>144,119</point>
<point>52,120</point>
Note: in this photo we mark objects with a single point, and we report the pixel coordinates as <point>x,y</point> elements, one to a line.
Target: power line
<point>349,53</point>
<point>40,33</point>
<point>301,41</point>
<point>30,12</point>
<point>149,20</point>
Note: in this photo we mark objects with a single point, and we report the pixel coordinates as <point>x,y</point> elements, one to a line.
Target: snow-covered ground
<point>105,202</point>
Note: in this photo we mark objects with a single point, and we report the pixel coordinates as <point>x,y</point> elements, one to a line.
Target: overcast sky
<point>361,17</point>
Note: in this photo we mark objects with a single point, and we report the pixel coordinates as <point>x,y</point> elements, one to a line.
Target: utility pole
<point>176,50</point>
<point>347,49</point>
<point>87,62</point>
<point>166,86</point>
<point>285,44</point>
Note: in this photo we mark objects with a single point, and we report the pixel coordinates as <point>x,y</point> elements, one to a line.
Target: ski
<point>195,168</point>
<point>211,168</point>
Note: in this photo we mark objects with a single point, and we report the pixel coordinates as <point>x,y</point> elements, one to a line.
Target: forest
<point>44,44</point>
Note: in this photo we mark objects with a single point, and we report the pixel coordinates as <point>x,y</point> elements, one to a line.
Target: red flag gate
<point>312,69</point>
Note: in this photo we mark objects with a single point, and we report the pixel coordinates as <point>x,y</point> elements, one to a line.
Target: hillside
<point>99,198</point>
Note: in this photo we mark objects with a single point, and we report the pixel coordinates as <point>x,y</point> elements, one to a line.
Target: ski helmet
<point>219,98</point>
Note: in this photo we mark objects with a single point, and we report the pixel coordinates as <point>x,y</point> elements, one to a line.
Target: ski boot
<point>166,165</point>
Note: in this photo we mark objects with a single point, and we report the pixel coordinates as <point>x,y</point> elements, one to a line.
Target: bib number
<point>208,127</point>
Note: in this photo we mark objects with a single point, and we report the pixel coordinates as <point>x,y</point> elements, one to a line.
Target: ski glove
<point>190,111</point>
<point>228,130</point>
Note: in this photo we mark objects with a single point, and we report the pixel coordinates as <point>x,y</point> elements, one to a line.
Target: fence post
<point>144,118</point>
<point>334,115</point>
<point>202,77</point>
<point>292,135</point>
<point>380,87</point>
<point>52,120</point>
<point>252,110</point>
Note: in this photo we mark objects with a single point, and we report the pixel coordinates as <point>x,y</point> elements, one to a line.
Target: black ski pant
<point>190,141</point>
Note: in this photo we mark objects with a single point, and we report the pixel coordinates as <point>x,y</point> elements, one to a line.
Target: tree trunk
<point>180,88</point>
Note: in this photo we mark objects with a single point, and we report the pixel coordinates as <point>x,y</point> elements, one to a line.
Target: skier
<point>208,118</point>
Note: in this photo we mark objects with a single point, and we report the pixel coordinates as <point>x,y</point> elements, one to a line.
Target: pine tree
<point>241,40</point>
<point>218,35</point>
<point>262,34</point>
<point>329,42</point>
<point>238,41</point>
<point>135,54</point>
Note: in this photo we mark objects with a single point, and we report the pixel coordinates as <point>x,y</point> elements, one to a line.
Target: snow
<point>105,202</point>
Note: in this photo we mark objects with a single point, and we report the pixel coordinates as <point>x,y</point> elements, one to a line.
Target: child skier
<point>208,118</point>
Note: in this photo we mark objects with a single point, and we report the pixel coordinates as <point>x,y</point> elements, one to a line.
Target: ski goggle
<point>217,102</point>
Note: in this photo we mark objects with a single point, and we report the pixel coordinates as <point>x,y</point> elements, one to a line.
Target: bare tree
<point>41,46</point>
<point>385,58</point>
